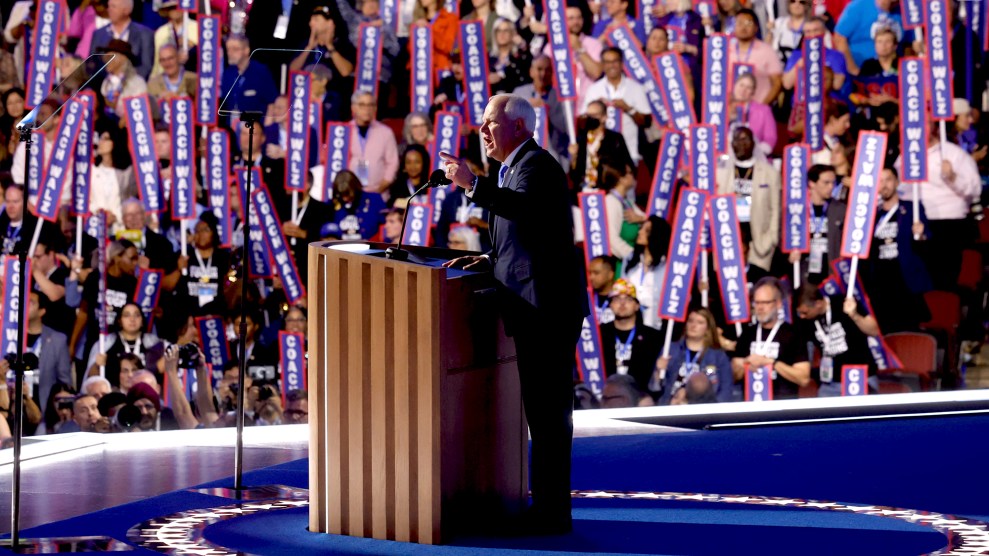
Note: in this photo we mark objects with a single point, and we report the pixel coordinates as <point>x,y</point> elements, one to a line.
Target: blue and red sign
<point>446,129</point>
<point>218,182</point>
<point>148,291</point>
<point>421,37</point>
<point>140,131</point>
<point>188,5</point>
<point>297,154</point>
<point>183,160</point>
<point>590,355</point>
<point>473,49</point>
<point>681,261</point>
<point>664,178</point>
<point>60,165</point>
<point>337,154</point>
<point>292,360</point>
<point>939,60</point>
<point>419,221</point>
<point>274,238</point>
<point>796,208</point>
<point>44,52</point>
<point>13,295</point>
<point>702,157</point>
<point>555,12</point>
<point>854,380</point>
<point>870,153</point>
<point>714,88</point>
<point>368,66</point>
<point>82,157</point>
<point>390,14</point>
<point>258,258</point>
<point>213,337</point>
<point>595,221</point>
<point>101,247</point>
<point>541,132</point>
<point>813,74</point>
<point>36,164</point>
<point>912,13</point>
<point>728,258</point>
<point>913,120</point>
<point>210,70</point>
<point>669,67</point>
<point>637,67</point>
<point>758,384</point>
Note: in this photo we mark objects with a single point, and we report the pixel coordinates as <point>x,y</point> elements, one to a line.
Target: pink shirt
<point>378,151</point>
<point>593,49</point>
<point>762,58</point>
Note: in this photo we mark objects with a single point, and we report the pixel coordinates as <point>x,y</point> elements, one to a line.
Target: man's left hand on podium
<point>470,262</point>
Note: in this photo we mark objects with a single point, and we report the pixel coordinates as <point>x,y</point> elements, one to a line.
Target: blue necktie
<point>501,175</point>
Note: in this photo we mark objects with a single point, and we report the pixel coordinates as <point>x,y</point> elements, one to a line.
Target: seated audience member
<point>58,409</point>
<point>373,150</point>
<point>627,346</point>
<point>509,60</point>
<point>173,81</point>
<point>265,403</point>
<point>297,320</point>
<point>746,111</point>
<point>839,329</point>
<point>698,389</point>
<point>417,130</point>
<point>837,122</point>
<point>297,408</point>
<point>624,218</point>
<point>413,173</point>
<point>877,81</point>
<point>48,279</point>
<point>646,267</point>
<point>148,402</point>
<point>621,391</point>
<point>51,346</point>
<point>464,238</point>
<point>130,365</point>
<point>122,79</point>
<point>96,386</point>
<point>262,359</point>
<point>144,376</point>
<point>697,352</point>
<point>154,249</point>
<point>129,336</point>
<point>357,213</point>
<point>392,228</point>
<point>772,344</point>
<point>601,278</point>
<point>457,211</point>
<point>594,145</point>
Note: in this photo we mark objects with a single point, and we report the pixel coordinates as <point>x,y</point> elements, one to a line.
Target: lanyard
<point>203,266</point>
<point>36,347</point>
<point>626,347</point>
<point>302,212</point>
<point>686,356</point>
<point>772,333</point>
<point>819,224</point>
<point>362,139</point>
<point>748,52</point>
<point>128,348</point>
<point>825,336</point>
<point>885,220</point>
<point>465,210</point>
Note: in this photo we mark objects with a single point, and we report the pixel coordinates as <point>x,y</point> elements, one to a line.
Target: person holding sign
<point>758,195</point>
<point>765,62</point>
<point>827,217</point>
<point>210,263</point>
<point>746,111</point>
<point>772,344</point>
<point>697,352</point>
<point>542,296</point>
<point>839,334</point>
<point>373,150</point>
<point>629,347</point>
<point>628,108</point>
<point>595,144</point>
<point>646,267</point>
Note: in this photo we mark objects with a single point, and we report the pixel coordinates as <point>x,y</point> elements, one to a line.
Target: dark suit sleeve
<point>526,200</point>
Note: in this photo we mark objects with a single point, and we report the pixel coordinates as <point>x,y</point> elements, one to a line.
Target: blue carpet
<point>923,464</point>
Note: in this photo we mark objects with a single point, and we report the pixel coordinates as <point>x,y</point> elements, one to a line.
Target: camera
<point>127,417</point>
<point>65,403</point>
<point>189,356</point>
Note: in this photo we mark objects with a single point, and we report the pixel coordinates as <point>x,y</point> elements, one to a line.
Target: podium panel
<point>416,421</point>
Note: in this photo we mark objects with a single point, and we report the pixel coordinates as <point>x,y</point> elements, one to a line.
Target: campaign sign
<point>390,15</point>
<point>673,85</point>
<point>165,109</point>
<point>796,208</point>
<point>559,42</point>
<point>644,8</point>
<point>218,182</point>
<point>739,69</point>
<point>870,153</point>
<point>50,194</point>
<point>590,359</point>
<point>421,76</point>
<point>188,5</point>
<point>595,218</point>
<point>702,156</point>
<point>446,129</point>
<point>292,360</point>
<point>758,384</point>
<point>337,154</point>
<point>101,245</point>
<point>664,178</point>
<point>882,354</point>
<point>939,60</point>
<point>297,156</point>
<point>260,262</point>
<point>475,57</point>
<point>12,296</point>
<point>36,163</point>
<point>813,75</point>
<point>541,132</point>
<point>140,131</point>
<point>419,221</point>
<point>854,380</point>
<point>148,291</point>
<point>637,67</point>
<point>913,120</point>
<point>183,160</point>
<point>82,156</point>
<point>44,52</point>
<point>368,66</point>
<point>613,118</point>
<point>212,336</point>
<point>728,259</point>
<point>714,88</point>
<point>681,260</point>
<point>210,68</point>
<point>316,123</point>
<point>277,247</point>
<point>912,13</point>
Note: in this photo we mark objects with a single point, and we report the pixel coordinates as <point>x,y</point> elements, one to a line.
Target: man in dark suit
<point>541,293</point>
<point>141,39</point>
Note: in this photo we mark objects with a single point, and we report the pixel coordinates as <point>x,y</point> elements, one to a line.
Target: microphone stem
<point>405,217</point>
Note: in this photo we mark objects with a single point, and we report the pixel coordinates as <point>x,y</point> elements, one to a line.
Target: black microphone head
<point>438,178</point>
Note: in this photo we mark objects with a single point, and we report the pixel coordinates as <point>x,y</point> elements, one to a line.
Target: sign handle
<point>295,212</point>
<point>852,273</point>
<point>916,205</point>
<point>669,338</point>
<point>702,279</point>
<point>571,130</point>
<point>796,274</point>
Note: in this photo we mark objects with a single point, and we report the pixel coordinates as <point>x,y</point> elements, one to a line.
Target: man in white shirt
<point>628,108</point>
<point>953,184</point>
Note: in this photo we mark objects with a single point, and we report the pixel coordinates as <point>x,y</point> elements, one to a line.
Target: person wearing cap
<point>628,346</point>
<point>172,80</point>
<point>139,39</point>
<point>148,402</point>
<point>172,33</point>
<point>122,78</point>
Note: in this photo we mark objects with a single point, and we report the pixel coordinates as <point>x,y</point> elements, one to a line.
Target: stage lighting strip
<point>181,533</point>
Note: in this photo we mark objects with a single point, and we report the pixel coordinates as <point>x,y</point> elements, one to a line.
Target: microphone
<point>436,179</point>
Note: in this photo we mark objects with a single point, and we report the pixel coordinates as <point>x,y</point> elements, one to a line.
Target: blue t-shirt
<point>858,24</point>
<point>833,60</point>
<point>638,29</point>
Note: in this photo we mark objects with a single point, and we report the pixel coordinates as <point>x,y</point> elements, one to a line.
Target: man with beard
<point>147,401</point>
<point>628,346</point>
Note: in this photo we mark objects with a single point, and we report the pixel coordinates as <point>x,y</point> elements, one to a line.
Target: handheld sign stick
<point>702,279</point>
<point>860,217</point>
<point>915,188</point>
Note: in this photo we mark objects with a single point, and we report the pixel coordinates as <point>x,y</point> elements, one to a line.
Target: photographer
<point>266,402</point>
<point>189,357</point>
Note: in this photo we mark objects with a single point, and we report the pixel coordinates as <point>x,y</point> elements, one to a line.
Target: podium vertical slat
<point>379,403</point>
<point>404,440</point>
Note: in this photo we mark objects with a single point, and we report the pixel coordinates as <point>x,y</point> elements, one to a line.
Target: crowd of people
<point>130,379</point>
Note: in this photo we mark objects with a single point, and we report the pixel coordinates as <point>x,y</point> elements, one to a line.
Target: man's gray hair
<point>518,108</point>
<point>94,380</point>
<point>358,94</point>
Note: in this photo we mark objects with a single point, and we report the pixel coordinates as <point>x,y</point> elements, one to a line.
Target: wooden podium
<point>416,421</point>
